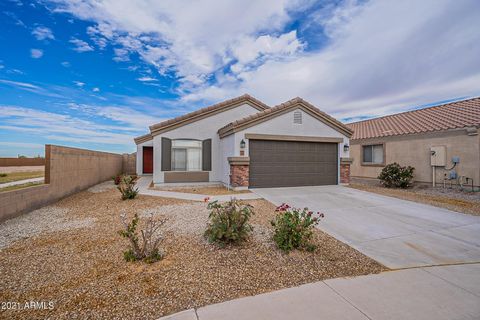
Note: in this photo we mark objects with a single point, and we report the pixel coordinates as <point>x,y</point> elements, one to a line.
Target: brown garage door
<point>292,163</point>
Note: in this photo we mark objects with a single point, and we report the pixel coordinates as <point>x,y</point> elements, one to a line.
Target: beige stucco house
<point>443,139</point>
<point>244,143</point>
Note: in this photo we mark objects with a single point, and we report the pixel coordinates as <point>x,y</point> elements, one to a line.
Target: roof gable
<point>296,103</point>
<point>206,112</point>
<point>455,115</point>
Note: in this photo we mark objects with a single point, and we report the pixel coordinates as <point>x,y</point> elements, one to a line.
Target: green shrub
<point>228,222</point>
<point>3,175</point>
<point>294,228</point>
<point>148,251</point>
<point>394,175</point>
<point>127,188</point>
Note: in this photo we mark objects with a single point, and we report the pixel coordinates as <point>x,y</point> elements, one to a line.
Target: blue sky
<point>95,73</point>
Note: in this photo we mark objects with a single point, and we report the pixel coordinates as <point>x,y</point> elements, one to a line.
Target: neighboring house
<point>409,138</point>
<point>243,143</point>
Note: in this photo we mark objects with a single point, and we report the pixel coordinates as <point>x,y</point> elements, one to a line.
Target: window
<point>186,155</point>
<point>373,154</point>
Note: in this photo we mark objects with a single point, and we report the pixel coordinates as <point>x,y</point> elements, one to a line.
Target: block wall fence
<point>67,170</point>
<point>21,162</point>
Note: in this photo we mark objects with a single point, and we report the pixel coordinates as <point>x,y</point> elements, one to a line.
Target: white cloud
<point>256,50</point>
<point>19,84</point>
<point>96,89</point>
<point>67,128</point>
<point>121,55</point>
<point>192,39</point>
<point>79,83</point>
<point>66,64</point>
<point>376,56</point>
<point>36,53</point>
<point>43,33</point>
<point>22,145</point>
<point>80,45</point>
<point>146,79</point>
<point>382,57</point>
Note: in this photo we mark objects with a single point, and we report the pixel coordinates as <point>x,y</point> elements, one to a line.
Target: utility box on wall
<point>438,156</point>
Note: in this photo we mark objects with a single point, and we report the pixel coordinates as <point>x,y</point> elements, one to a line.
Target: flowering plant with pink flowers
<point>294,227</point>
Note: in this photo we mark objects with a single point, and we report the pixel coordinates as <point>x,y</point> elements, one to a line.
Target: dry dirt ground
<point>71,254</point>
<point>452,199</point>
<point>211,191</point>
<point>21,169</point>
<point>16,176</point>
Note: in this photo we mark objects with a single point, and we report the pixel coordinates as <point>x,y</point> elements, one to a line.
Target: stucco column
<point>345,170</point>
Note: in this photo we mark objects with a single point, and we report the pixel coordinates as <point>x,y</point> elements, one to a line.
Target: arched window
<point>186,155</point>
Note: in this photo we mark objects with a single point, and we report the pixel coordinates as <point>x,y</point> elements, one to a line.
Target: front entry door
<point>147,160</point>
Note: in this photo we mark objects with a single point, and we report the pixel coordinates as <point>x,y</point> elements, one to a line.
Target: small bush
<point>228,222</point>
<point>148,251</point>
<point>294,228</point>
<point>117,179</point>
<point>394,175</point>
<point>127,188</point>
<point>3,175</point>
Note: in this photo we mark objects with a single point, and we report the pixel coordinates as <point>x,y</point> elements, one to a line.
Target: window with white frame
<point>186,155</point>
<point>373,154</point>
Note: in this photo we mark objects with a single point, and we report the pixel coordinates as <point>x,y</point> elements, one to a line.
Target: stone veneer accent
<point>345,170</point>
<point>239,175</point>
<point>239,171</point>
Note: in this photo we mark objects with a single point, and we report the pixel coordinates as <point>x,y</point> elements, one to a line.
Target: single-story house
<point>439,141</point>
<point>244,143</point>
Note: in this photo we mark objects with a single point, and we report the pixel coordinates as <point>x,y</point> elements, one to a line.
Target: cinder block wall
<point>67,170</point>
<point>130,163</point>
<point>21,162</point>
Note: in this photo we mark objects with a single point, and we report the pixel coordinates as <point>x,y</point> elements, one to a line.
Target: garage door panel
<point>292,163</point>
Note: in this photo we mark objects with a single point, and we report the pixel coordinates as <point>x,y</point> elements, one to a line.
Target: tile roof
<point>201,113</point>
<point>144,138</point>
<point>459,114</point>
<point>279,109</point>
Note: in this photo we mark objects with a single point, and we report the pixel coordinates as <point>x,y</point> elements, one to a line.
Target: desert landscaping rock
<point>41,221</point>
<point>102,187</point>
<point>83,273</point>
<point>183,219</point>
<point>463,201</point>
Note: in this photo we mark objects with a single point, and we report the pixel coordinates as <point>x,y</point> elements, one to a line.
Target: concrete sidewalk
<point>15,183</point>
<point>437,293</point>
<point>143,185</point>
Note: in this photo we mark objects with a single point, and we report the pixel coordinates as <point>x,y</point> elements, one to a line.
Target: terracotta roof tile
<point>459,114</point>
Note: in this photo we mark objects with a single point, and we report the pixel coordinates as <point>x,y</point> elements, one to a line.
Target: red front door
<point>147,159</point>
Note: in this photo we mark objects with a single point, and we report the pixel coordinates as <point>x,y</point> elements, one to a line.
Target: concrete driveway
<point>396,233</point>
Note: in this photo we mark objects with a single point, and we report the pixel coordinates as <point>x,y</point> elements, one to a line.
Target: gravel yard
<point>70,253</point>
<point>452,199</point>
